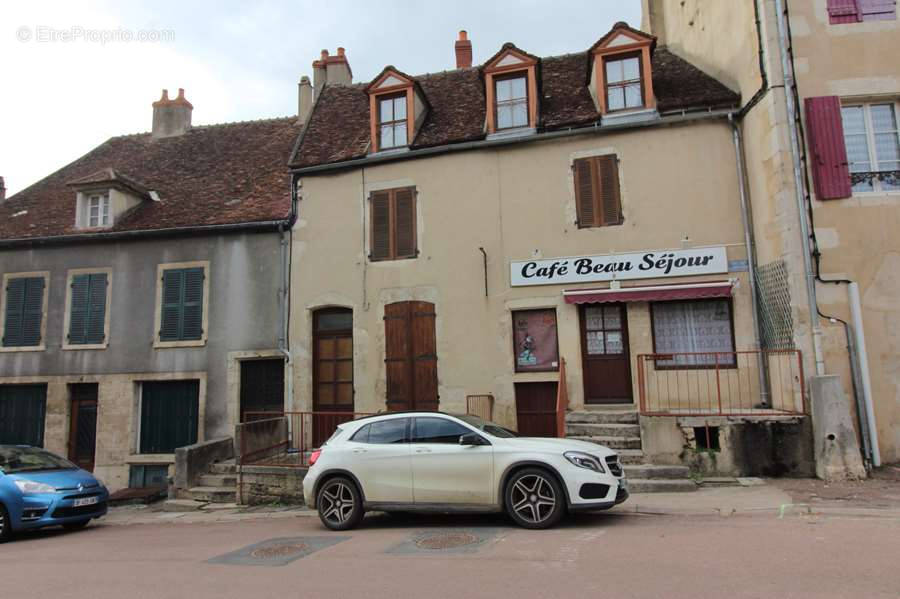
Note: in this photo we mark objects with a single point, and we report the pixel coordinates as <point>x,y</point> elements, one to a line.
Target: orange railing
<point>741,383</point>
<point>562,400</point>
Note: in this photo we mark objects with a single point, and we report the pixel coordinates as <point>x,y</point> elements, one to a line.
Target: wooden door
<point>262,386</point>
<point>332,371</point>
<point>411,356</point>
<point>536,409</point>
<point>83,425</point>
<point>605,356</point>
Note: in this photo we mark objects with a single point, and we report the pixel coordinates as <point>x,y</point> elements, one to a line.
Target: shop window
<point>693,334</point>
<point>597,194</point>
<point>535,338</point>
<point>393,220</point>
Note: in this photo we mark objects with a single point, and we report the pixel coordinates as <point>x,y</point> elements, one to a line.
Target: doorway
<point>262,386</point>
<point>606,361</point>
<point>411,356</point>
<point>83,425</point>
<point>536,409</point>
<point>332,371</point>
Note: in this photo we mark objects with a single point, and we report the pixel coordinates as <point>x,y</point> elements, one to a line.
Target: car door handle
<point>423,450</point>
<point>360,450</point>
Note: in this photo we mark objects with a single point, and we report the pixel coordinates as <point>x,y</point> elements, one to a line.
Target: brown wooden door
<point>332,371</point>
<point>605,355</point>
<point>411,356</point>
<point>536,409</point>
<point>83,425</point>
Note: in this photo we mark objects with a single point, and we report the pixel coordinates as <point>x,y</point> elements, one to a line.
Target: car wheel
<point>6,533</point>
<point>76,525</point>
<point>534,499</point>
<point>339,504</point>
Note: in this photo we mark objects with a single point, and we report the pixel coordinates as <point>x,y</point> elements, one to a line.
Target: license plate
<point>84,501</point>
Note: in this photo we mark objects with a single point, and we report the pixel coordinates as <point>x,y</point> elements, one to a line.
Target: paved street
<point>755,549</point>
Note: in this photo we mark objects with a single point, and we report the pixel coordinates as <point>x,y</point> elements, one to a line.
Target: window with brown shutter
<point>393,216</point>
<point>597,194</point>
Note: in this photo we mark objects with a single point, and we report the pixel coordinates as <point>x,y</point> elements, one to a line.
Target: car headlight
<point>584,460</point>
<point>30,486</point>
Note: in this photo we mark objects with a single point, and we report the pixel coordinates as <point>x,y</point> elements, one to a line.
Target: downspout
<point>798,189</point>
<point>287,246</point>
<point>856,315</point>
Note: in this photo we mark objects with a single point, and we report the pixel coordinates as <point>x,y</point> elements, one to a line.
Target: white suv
<point>430,461</point>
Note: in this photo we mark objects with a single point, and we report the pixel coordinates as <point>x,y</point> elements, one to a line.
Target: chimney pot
<point>171,117</point>
<point>463,49</point>
<point>324,54</point>
<point>304,99</point>
<point>2,189</point>
<point>340,51</point>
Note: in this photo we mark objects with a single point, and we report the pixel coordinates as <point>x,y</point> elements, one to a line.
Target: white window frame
<point>870,141</point>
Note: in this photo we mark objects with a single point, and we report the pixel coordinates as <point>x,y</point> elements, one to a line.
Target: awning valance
<point>648,293</point>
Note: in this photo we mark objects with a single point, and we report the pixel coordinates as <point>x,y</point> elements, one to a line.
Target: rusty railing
<point>741,383</point>
<point>562,399</point>
<point>481,406</point>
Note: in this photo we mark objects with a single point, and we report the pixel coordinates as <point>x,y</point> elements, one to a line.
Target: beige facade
<point>517,203</point>
<point>856,236</point>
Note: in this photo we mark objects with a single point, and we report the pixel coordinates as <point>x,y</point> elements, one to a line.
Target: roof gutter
<point>481,144</point>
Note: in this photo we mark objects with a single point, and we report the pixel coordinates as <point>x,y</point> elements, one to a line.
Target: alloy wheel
<point>338,502</point>
<point>533,498</point>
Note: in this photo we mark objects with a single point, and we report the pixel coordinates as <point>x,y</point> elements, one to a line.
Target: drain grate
<point>279,551</point>
<point>447,540</point>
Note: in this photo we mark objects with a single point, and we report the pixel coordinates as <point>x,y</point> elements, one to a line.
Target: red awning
<point>649,293</point>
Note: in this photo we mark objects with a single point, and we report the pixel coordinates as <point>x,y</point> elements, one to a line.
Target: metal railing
<point>741,383</point>
<point>562,399</point>
<point>481,406</point>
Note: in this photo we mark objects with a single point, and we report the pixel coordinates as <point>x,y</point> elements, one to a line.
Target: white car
<point>430,461</point>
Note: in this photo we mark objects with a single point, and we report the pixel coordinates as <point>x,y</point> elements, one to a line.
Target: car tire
<point>339,504</point>
<point>76,525</point>
<point>5,525</point>
<point>534,498</point>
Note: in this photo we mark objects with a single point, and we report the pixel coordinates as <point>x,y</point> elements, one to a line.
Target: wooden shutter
<point>597,194</point>
<point>381,225</point>
<point>424,356</point>
<point>192,306</point>
<point>87,315</point>
<point>877,10</point>
<point>397,356</point>
<point>169,415</point>
<point>828,154</point>
<point>22,412</point>
<point>170,316</point>
<point>584,193</point>
<point>24,312</point>
<point>608,183</point>
<point>15,301</point>
<point>844,11</point>
<point>405,222</point>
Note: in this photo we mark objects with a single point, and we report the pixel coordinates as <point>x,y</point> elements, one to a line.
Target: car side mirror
<point>470,439</point>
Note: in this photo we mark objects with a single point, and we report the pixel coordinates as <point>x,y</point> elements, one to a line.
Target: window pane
<point>438,430</point>
<point>520,114</point>
<point>105,218</point>
<point>853,119</point>
<point>595,343</point>
<point>612,318</point>
<point>615,98</point>
<point>518,87</point>
<point>614,343</point>
<point>593,318</point>
<point>633,96</point>
<point>362,435</point>
<point>400,108</point>
<point>504,117</point>
<point>504,90</point>
<point>887,148</point>
<point>883,118</point>
<point>334,321</point>
<point>388,431</point>
<point>631,69</point>
<point>691,328</point>
<point>387,111</point>
<point>387,137</point>
<point>614,71</point>
<point>399,135</point>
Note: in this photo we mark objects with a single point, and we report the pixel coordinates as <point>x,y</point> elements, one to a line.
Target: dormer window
<point>620,76</point>
<point>623,83</point>
<point>392,123</point>
<point>97,210</point>
<point>511,106</point>
<point>510,78</point>
<point>102,197</point>
<point>397,109</point>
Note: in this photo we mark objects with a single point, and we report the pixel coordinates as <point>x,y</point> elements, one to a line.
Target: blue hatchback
<point>38,489</point>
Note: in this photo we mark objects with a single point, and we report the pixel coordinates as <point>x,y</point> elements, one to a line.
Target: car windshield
<point>487,426</point>
<point>31,459</point>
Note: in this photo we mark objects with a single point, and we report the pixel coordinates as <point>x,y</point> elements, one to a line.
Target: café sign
<point>620,267</point>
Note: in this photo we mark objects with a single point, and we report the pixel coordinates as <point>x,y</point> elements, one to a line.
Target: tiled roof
<point>225,174</point>
<point>338,129</point>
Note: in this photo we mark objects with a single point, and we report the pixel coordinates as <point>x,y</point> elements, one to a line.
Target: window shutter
<point>78,316</point>
<point>584,193</point>
<point>381,225</point>
<point>397,354</point>
<point>192,306</point>
<point>15,300</point>
<point>878,10</point>
<point>405,222</point>
<point>844,11</point>
<point>33,311</point>
<point>608,177</point>
<point>424,356</point>
<point>96,313</point>
<point>828,154</point>
<point>170,317</point>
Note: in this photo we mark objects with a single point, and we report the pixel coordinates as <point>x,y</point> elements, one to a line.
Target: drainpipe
<point>750,245</point>
<point>798,178</point>
<point>859,333</point>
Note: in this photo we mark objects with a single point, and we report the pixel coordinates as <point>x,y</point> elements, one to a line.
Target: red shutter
<point>844,11</point>
<point>828,155</point>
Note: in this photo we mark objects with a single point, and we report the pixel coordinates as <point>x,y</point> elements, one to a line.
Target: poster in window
<point>534,335</point>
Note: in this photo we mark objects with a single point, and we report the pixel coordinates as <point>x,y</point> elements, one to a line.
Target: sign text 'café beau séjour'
<point>608,267</point>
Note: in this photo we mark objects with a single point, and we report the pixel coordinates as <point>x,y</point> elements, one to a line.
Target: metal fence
<point>775,318</point>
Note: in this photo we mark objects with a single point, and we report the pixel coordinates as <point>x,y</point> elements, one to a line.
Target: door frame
<point>316,336</point>
<point>626,346</point>
<point>74,404</point>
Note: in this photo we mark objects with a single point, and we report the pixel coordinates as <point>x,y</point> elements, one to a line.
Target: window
<point>597,194</point>
<point>97,210</point>
<point>24,300</point>
<point>534,335</point>
<point>392,122</point>
<point>693,331</point>
<point>511,101</point>
<point>169,415</point>
<point>182,304</point>
<point>87,309</point>
<point>872,139</point>
<point>623,83</point>
<point>437,430</point>
<point>384,432</point>
<point>333,360</point>
<point>604,330</point>
<point>393,224</point>
<point>855,11</point>
<point>22,412</point>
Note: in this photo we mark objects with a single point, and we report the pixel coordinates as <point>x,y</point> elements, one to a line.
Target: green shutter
<point>87,319</point>
<point>169,415</point>
<point>24,312</point>
<point>96,321</point>
<point>182,305</point>
<point>15,299</point>
<point>78,317</point>
<point>192,312</point>
<point>170,319</point>
<point>22,411</point>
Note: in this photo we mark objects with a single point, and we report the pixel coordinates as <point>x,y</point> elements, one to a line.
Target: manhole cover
<point>277,551</point>
<point>446,540</point>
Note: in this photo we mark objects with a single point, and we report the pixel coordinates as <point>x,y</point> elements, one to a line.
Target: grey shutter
<point>381,225</point>
<point>78,315</point>
<point>96,314</point>
<point>584,193</point>
<point>170,316</point>
<point>15,300</point>
<point>192,306</point>
<point>405,219</point>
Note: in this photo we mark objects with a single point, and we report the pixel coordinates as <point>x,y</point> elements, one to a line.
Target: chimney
<point>463,51</point>
<point>304,100</point>
<point>333,70</point>
<point>171,117</point>
<point>2,189</point>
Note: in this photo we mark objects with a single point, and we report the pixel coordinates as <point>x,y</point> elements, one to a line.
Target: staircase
<point>215,488</point>
<point>619,430</point>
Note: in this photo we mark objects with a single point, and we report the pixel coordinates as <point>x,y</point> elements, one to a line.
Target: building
<point>143,293</point>
<point>823,154</point>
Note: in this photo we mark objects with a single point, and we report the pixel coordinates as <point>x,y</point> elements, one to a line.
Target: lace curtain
<point>690,327</point>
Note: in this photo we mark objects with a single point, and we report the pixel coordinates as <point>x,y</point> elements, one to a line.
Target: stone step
<point>629,416</point>
<point>213,494</point>
<point>656,472</point>
<point>674,485</point>
<point>611,442</point>
<point>603,429</point>
<point>218,480</point>
<point>182,505</point>
<point>223,468</point>
<point>631,456</point>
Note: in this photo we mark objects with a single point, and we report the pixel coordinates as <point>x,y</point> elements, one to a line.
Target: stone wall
<point>271,484</point>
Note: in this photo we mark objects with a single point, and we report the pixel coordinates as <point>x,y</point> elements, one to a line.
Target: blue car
<point>38,489</point>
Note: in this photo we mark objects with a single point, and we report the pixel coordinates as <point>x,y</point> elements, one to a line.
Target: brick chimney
<point>171,117</point>
<point>333,70</point>
<point>463,51</point>
<point>2,189</point>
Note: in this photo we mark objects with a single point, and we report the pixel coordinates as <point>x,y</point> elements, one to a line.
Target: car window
<point>383,432</point>
<point>362,435</point>
<point>438,430</point>
<point>31,459</point>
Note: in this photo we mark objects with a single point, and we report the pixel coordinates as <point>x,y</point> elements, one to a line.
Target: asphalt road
<point>591,556</point>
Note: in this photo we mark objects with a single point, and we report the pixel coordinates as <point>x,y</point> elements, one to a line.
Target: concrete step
<point>218,480</point>
<point>605,416</point>
<point>213,494</point>
<point>611,442</point>
<point>631,456</point>
<point>675,485</point>
<point>182,505</point>
<point>656,472</point>
<point>603,429</point>
<point>223,468</point>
